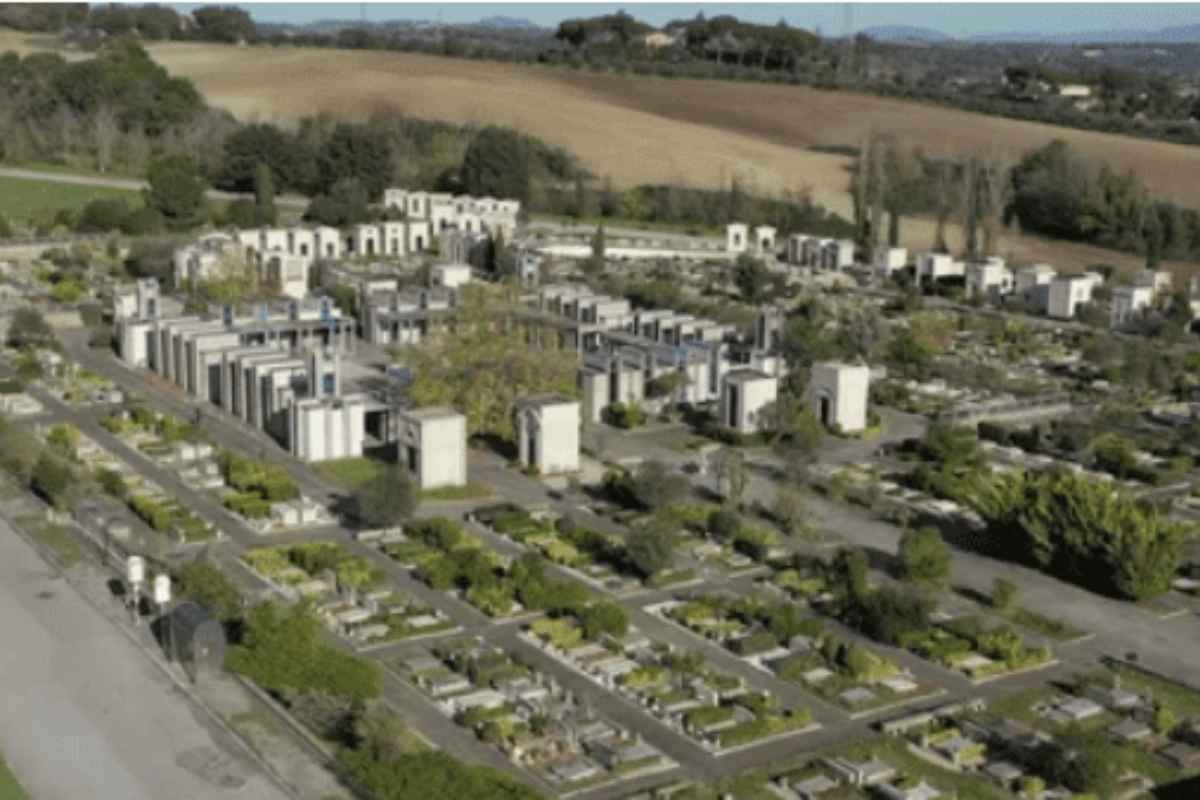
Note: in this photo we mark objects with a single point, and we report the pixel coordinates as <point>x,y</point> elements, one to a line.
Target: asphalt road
<point>84,714</point>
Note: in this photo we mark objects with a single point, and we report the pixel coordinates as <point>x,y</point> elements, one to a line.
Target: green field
<point>351,472</point>
<point>9,788</point>
<point>22,198</point>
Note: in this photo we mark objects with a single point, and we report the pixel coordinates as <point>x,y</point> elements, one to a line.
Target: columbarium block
<point>433,446</point>
<point>838,394</point>
<point>548,434</point>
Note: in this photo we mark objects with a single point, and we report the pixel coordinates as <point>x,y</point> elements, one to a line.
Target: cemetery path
<point>128,184</point>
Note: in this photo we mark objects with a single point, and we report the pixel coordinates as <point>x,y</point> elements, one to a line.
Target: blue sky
<point>956,19</point>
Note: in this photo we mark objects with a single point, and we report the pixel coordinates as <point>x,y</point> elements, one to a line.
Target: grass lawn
<point>9,788</point>
<point>60,540</point>
<point>351,472</point>
<point>21,198</point>
<point>471,491</point>
<point>1051,628</point>
<point>68,169</point>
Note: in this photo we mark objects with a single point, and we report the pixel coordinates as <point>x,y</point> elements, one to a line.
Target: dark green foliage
<point>388,499</point>
<point>1078,529</point>
<point>55,480</point>
<point>203,582</point>
<point>603,618</point>
<point>850,569</point>
<point>1058,192</point>
<point>356,153</point>
<point>223,24</point>
<point>724,524</point>
<point>122,78</point>
<point>950,446</point>
<point>753,279</point>
<point>624,415</point>
<point>112,482</point>
<point>29,328</point>
<point>282,651</point>
<point>650,549</point>
<point>537,590</point>
<point>498,163</point>
<point>924,557</point>
<point>344,204</point>
<point>264,196</point>
<point>656,485</point>
<point>424,776</point>
<point>289,158</point>
<point>152,258</point>
<point>888,615</point>
<point>1089,763</point>
<point>241,213</point>
<point>176,190</point>
<point>19,450</point>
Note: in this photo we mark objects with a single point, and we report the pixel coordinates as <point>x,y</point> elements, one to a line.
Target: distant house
<point>1074,90</point>
<point>656,39</point>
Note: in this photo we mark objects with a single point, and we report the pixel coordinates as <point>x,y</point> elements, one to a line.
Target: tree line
<point>149,21</point>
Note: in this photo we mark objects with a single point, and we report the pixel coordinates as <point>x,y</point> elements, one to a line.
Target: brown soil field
<point>638,129</point>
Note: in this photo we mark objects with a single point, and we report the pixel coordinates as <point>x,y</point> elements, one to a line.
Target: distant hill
<point>1179,34</point>
<point>510,23</point>
<point>904,33</point>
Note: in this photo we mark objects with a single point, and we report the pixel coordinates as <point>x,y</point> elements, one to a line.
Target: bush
<point>625,416</point>
<point>724,524</point>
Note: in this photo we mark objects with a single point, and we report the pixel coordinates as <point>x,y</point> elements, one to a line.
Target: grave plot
<point>680,689</point>
<point>350,594</point>
<point>442,554</point>
<point>157,507</point>
<point>528,716</point>
<point>779,638</point>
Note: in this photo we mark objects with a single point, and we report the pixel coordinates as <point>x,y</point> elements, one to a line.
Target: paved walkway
<point>82,712</point>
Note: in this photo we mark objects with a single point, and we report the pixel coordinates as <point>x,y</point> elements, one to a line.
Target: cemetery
<point>678,688</point>
<point>527,715</point>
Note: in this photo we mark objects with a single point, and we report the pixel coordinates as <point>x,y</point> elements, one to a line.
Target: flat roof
<point>747,374</point>
<point>547,400</point>
<point>430,413</point>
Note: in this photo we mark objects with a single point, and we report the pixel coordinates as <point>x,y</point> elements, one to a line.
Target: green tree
<point>732,476</point>
<point>1165,720</point>
<point>650,549</point>
<point>204,583</point>
<point>603,618</point>
<point>482,365</point>
<point>498,163</point>
<point>345,203</point>
<point>753,279</point>
<point>29,328</point>
<point>63,439</point>
<point>264,196</point>
<point>20,450</point>
<point>425,775</point>
<point>386,500</point>
<point>924,557</point>
<point>54,480</point>
<point>792,514</point>
<point>850,571</point>
<point>282,650</point>
<point>596,261</point>
<point>1004,594</point>
<point>176,190</point>
<point>356,153</point>
<point>657,485</point>
<point>724,524</point>
<point>950,446</point>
